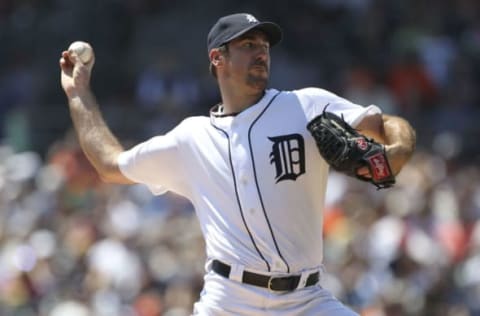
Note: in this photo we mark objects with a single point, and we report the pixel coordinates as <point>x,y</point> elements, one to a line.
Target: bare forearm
<point>400,140</point>
<point>97,141</point>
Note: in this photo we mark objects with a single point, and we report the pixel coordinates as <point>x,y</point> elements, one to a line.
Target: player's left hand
<point>348,151</point>
<point>364,172</point>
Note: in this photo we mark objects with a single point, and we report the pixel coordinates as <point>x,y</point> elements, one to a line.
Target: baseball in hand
<point>81,50</point>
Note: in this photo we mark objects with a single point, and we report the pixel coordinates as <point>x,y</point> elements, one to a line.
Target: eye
<point>252,45</point>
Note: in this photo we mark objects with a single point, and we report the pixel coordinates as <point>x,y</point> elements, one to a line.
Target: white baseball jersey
<point>256,179</point>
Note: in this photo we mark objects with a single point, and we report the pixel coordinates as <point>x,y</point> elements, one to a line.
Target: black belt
<point>283,283</point>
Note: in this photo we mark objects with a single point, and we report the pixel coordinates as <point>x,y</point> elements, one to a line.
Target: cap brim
<point>272,30</point>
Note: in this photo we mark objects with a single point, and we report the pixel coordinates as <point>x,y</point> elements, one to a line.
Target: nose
<point>263,53</point>
<point>264,49</point>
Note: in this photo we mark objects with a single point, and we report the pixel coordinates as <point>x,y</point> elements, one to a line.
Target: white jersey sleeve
<point>156,163</point>
<point>315,100</point>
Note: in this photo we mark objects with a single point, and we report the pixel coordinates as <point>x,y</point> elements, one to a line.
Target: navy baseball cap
<point>232,26</point>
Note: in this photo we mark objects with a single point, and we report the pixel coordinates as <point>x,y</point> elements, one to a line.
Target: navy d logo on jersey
<point>288,155</point>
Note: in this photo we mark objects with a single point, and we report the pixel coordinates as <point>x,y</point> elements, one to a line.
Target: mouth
<point>260,67</point>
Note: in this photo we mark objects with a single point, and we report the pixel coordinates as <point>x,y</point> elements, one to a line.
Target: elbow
<point>107,177</point>
<point>107,167</point>
<point>409,138</point>
<point>113,176</point>
<point>110,173</point>
<point>413,140</point>
<point>402,147</point>
<point>105,173</point>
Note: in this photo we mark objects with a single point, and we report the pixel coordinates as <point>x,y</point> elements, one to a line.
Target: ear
<point>216,57</point>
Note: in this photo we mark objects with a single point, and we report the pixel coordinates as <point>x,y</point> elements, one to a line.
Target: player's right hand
<point>75,75</point>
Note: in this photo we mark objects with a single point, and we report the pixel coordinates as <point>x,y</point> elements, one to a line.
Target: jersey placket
<point>248,193</point>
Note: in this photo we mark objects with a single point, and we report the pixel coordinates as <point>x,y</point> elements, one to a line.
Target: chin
<point>258,82</point>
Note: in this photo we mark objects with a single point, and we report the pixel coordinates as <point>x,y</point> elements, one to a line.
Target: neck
<point>235,101</point>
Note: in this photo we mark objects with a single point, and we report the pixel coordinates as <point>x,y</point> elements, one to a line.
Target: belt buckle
<point>273,278</point>
<point>269,284</point>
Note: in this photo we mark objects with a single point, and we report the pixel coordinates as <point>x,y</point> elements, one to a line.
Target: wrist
<point>79,96</point>
<point>75,92</point>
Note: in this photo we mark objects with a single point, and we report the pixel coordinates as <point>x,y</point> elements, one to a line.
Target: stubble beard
<point>258,82</point>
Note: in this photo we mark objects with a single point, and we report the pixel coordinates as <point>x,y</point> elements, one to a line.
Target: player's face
<point>249,59</point>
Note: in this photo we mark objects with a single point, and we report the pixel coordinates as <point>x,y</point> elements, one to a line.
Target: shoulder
<point>315,100</point>
<point>314,93</point>
<point>194,121</point>
<point>310,96</point>
<point>311,99</point>
<point>189,126</point>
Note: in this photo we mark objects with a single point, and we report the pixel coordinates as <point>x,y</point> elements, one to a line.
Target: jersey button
<point>244,179</point>
<point>252,211</point>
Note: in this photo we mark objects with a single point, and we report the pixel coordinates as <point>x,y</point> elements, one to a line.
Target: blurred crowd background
<point>71,245</point>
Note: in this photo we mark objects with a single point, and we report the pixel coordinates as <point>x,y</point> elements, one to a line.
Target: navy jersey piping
<point>258,187</point>
<point>238,198</point>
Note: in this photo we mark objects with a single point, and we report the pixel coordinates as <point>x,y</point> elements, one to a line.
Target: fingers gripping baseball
<point>76,65</point>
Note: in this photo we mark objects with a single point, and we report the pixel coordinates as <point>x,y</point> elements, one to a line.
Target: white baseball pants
<point>222,296</point>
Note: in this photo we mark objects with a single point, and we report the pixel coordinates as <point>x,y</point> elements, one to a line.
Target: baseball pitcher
<point>255,170</point>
